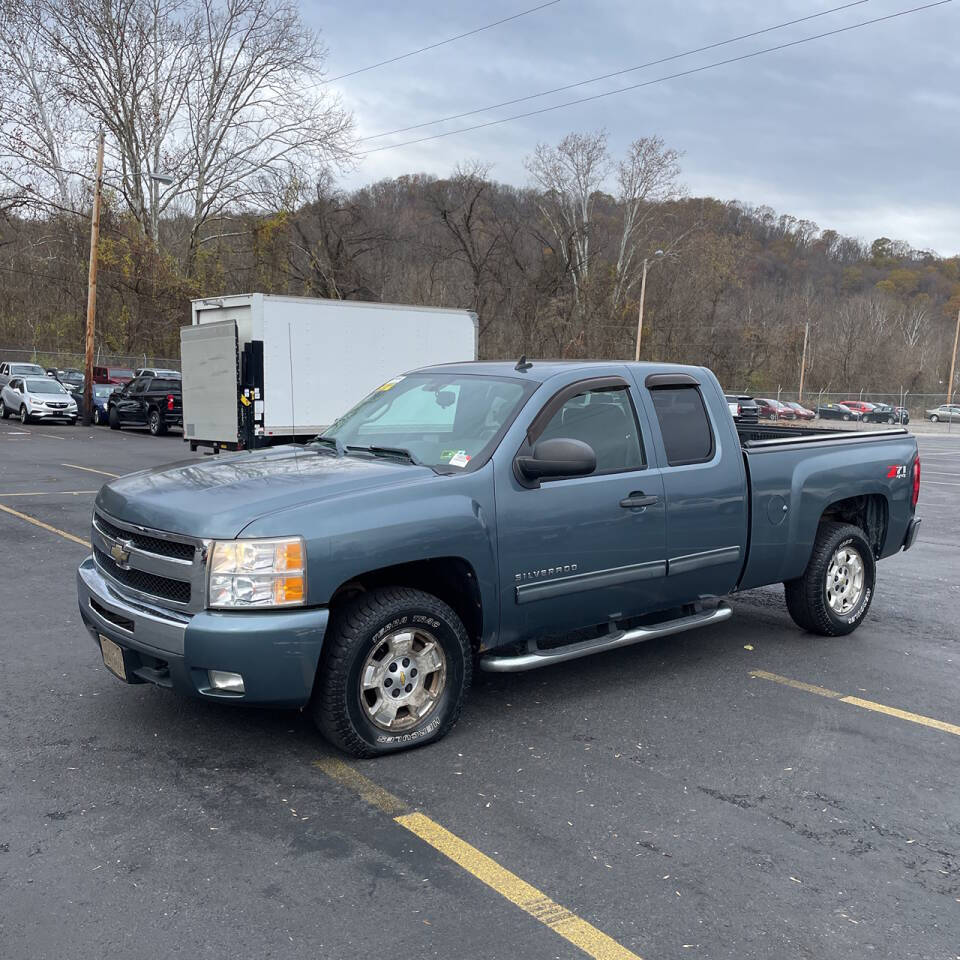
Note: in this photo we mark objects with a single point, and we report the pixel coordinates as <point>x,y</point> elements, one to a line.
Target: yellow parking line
<point>45,526</point>
<point>49,493</point>
<point>593,942</point>
<point>76,466</point>
<point>941,725</point>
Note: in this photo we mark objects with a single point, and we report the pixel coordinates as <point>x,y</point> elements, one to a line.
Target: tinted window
<point>138,386</point>
<point>605,420</point>
<point>169,386</point>
<point>683,424</point>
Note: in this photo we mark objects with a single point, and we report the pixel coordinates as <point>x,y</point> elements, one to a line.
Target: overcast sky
<point>859,132</point>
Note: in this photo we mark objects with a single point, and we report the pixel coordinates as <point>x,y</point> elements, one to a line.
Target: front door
<point>130,406</point>
<point>581,551</point>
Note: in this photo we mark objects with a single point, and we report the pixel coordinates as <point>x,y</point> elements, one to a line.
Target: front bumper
<point>40,414</point>
<point>276,652</point>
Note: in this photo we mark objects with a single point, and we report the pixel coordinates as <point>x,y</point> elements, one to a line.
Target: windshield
<point>444,421</point>
<point>119,372</point>
<point>46,385</point>
<point>25,369</point>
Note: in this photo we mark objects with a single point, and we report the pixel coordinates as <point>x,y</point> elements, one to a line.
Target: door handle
<point>638,500</point>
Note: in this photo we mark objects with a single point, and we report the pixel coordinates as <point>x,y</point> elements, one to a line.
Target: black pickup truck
<point>152,402</point>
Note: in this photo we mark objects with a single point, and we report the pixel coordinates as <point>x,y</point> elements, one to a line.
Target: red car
<point>119,375</point>
<point>801,411</point>
<point>774,410</point>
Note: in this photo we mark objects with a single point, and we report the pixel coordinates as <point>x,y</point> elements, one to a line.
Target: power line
<point>440,43</point>
<point>616,73</point>
<point>648,83</point>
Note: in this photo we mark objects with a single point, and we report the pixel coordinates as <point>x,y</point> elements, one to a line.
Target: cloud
<point>857,131</point>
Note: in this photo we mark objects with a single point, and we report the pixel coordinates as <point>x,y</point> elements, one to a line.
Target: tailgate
<point>211,374</point>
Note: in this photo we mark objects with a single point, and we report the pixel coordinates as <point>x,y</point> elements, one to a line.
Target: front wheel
<point>395,670</point>
<point>933,418</point>
<point>97,416</point>
<point>846,416</point>
<point>113,418</point>
<point>24,416</point>
<point>835,591</point>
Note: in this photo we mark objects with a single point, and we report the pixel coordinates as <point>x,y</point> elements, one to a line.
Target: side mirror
<point>560,457</point>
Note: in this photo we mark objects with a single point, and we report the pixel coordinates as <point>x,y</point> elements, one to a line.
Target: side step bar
<point>623,638</point>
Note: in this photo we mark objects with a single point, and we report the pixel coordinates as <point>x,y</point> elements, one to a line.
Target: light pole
<point>157,180</point>
<point>92,288</point>
<point>643,291</point>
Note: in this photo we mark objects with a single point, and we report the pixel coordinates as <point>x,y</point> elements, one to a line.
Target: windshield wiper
<point>331,442</point>
<point>397,452</point>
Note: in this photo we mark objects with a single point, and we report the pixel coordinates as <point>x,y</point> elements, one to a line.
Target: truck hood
<point>219,496</point>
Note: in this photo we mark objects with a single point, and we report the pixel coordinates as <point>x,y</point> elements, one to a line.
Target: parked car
<point>836,411</point>
<point>460,514</point>
<point>743,407</point>
<point>882,413</point>
<point>112,375</point>
<point>8,370</point>
<point>949,412</point>
<point>101,394</point>
<point>157,372</point>
<point>72,379</point>
<point>37,398</point>
<point>153,402</point>
<point>866,410</point>
<point>774,410</point>
<point>801,411</point>
<point>903,415</point>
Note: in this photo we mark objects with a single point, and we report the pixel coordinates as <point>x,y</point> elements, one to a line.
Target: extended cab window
<point>684,425</point>
<point>603,419</point>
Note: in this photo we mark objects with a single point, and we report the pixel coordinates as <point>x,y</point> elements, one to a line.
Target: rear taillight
<point>170,402</point>
<point>915,495</point>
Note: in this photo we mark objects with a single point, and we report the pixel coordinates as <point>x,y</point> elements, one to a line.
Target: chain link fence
<point>64,360</point>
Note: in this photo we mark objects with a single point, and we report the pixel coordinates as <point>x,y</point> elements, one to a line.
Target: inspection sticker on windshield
<point>389,385</point>
<point>459,459</point>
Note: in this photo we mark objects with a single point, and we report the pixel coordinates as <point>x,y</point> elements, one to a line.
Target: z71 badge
<point>897,471</point>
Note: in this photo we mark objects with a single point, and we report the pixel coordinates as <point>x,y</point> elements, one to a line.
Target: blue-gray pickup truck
<point>500,515</point>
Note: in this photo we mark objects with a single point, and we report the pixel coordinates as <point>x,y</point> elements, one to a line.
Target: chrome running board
<point>623,638</point>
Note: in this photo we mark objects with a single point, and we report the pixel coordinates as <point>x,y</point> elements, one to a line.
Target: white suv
<point>37,398</point>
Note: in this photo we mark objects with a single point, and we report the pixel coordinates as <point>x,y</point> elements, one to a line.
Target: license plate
<point>112,657</point>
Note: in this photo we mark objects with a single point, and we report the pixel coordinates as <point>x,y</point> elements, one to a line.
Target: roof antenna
<point>522,364</point>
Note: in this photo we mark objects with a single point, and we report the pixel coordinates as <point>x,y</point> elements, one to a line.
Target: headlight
<point>257,573</point>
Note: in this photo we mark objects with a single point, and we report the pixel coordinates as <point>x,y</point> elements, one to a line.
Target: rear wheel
<point>156,423</point>
<point>114,418</point>
<point>4,411</point>
<point>933,418</point>
<point>834,593</point>
<point>396,668</point>
<point>846,416</point>
<point>97,416</point>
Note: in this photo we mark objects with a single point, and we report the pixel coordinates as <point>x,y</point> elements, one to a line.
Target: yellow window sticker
<point>389,385</point>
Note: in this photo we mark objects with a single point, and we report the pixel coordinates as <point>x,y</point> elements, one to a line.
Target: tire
<point>114,418</point>
<point>934,418</point>
<point>156,423</point>
<point>97,416</point>
<point>72,421</point>
<point>366,626</point>
<point>891,420</point>
<point>24,416</point>
<point>846,417</point>
<point>807,596</point>
<point>4,412</point>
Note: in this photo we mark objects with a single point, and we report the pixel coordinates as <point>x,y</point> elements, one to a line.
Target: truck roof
<point>542,370</point>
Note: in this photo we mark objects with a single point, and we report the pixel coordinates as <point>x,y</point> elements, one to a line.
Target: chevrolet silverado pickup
<point>481,514</point>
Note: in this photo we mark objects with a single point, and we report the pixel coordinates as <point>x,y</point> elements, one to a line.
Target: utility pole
<point>953,364</point>
<point>803,360</point>
<point>92,288</point>
<point>643,292</point>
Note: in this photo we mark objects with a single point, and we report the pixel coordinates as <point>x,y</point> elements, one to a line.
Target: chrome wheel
<point>403,678</point>
<point>845,578</point>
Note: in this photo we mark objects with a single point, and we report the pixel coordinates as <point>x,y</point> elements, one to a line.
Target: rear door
<point>211,382</point>
<point>581,551</point>
<point>704,484</point>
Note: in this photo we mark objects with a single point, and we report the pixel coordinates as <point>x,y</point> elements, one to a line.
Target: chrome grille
<point>166,569</point>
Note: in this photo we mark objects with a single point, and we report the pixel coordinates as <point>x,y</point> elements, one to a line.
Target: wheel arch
<point>869,511</point>
<point>450,579</point>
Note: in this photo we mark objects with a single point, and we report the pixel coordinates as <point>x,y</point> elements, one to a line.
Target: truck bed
<point>754,435</point>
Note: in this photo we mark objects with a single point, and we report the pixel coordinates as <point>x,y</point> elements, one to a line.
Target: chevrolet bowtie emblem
<point>120,552</point>
<point>403,678</point>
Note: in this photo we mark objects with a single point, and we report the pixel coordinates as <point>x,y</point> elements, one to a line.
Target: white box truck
<point>260,369</point>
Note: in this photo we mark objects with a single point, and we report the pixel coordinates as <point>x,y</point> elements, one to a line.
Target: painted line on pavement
<point>49,493</point>
<point>76,466</point>
<point>44,526</point>
<point>593,942</point>
<point>941,483</point>
<point>860,702</point>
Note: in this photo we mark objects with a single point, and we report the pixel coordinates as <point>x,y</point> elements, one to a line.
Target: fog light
<point>223,680</point>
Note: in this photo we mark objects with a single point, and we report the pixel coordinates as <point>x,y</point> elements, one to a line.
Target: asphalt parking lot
<point>679,798</point>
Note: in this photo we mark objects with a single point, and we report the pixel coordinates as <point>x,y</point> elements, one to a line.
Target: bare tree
<point>646,177</point>
<point>224,96</point>
<point>570,175</point>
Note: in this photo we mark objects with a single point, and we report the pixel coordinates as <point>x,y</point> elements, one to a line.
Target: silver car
<point>37,398</point>
<point>9,370</point>
<point>947,412</point>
